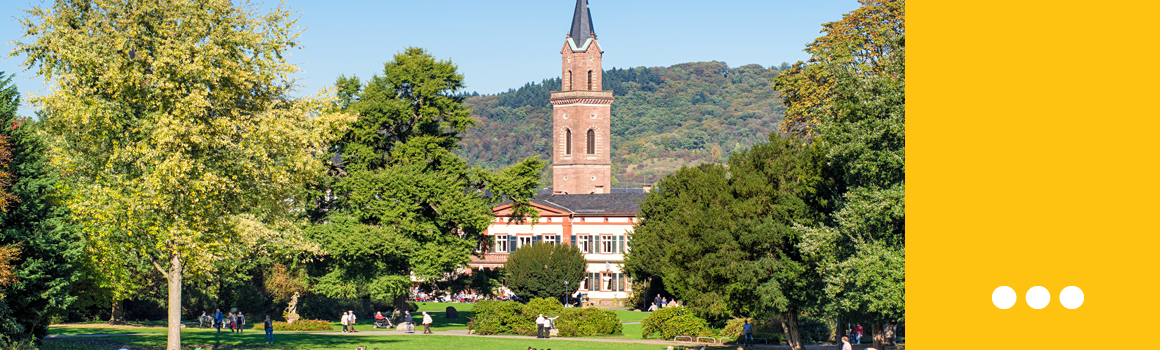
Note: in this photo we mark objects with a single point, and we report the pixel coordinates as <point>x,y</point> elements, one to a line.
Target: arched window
<point>591,142</point>
<point>569,81</point>
<point>589,80</point>
<point>568,141</point>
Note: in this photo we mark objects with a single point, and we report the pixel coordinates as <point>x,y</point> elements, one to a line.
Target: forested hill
<point>662,118</point>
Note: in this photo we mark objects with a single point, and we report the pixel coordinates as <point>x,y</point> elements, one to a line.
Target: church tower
<point>582,113</point>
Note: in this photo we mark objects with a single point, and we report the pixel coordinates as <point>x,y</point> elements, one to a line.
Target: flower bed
<point>299,325</point>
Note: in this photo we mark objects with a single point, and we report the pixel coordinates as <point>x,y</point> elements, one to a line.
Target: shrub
<point>499,317</point>
<point>588,321</point>
<point>543,306</point>
<point>733,328</point>
<point>669,322</point>
<point>299,325</point>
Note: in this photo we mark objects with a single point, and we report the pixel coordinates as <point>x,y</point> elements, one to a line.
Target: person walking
<point>345,320</point>
<point>549,323</point>
<point>846,344</point>
<point>748,330</point>
<point>241,322</point>
<point>858,334</point>
<point>410,323</point>
<point>233,320</point>
<point>353,320</point>
<point>217,320</point>
<point>540,326</point>
<point>427,323</point>
<point>269,325</point>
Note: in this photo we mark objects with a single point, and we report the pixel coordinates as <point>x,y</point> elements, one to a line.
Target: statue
<point>291,313</point>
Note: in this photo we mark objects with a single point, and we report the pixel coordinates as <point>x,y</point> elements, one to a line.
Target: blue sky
<point>504,44</point>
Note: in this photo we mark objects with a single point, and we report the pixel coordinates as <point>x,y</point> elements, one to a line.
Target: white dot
<point>1071,297</point>
<point>1038,297</point>
<point>1003,297</point>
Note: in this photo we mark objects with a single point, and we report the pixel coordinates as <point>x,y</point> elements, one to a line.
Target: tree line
<point>810,222</point>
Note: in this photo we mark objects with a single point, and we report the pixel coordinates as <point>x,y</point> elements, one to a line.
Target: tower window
<point>589,80</point>
<point>591,142</point>
<point>569,79</point>
<point>568,141</point>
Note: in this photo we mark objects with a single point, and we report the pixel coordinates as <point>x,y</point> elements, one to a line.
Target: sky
<point>500,44</point>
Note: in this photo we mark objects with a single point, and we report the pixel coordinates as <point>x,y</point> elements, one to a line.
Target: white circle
<point>565,177</point>
<point>565,115</point>
<point>1071,297</point>
<point>1003,297</point>
<point>593,177</point>
<point>1038,297</point>
<point>593,115</point>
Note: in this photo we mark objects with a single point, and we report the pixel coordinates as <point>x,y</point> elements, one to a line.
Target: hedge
<point>299,325</point>
<point>670,322</point>
<point>588,321</point>
<point>501,317</point>
<point>509,317</point>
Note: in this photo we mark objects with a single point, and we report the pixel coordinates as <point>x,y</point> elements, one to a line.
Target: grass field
<point>340,341</point>
<point>441,323</point>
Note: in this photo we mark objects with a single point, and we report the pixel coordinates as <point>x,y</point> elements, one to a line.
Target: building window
<point>607,244</point>
<point>591,141</point>
<point>585,245</point>
<point>550,239</point>
<point>568,141</point>
<point>524,240</point>
<point>501,244</point>
<point>589,80</point>
<point>609,282</point>
<point>569,79</point>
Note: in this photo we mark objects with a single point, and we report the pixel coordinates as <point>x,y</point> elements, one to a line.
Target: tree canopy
<point>539,270</point>
<point>36,225</point>
<point>177,131</point>
<point>723,239</point>
<point>398,201</point>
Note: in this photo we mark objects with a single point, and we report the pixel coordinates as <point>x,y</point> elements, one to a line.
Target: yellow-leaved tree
<point>176,127</point>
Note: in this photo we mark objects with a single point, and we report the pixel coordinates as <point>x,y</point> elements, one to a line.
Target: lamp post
<point>566,295</point>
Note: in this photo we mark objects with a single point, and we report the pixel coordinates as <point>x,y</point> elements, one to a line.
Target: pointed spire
<point>581,23</point>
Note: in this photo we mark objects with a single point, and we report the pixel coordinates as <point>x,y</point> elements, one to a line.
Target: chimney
<point>647,188</point>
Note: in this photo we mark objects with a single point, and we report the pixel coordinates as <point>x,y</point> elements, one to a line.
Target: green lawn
<point>345,342</point>
<point>631,316</point>
<point>441,323</point>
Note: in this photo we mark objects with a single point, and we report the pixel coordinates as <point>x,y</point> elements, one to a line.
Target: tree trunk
<point>173,276</point>
<point>839,332</point>
<point>879,338</point>
<point>792,335</point>
<point>888,330</point>
<point>118,312</point>
<point>401,305</point>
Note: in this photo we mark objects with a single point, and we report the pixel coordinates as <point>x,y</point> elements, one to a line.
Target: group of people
<point>544,326</point>
<point>420,296</point>
<point>662,302</point>
<point>234,321</point>
<point>348,321</point>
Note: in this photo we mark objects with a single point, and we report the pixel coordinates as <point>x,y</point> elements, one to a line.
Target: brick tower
<point>582,114</point>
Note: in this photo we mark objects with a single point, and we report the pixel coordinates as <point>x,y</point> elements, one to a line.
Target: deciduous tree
<point>176,126</point>
<point>398,201</point>
<point>723,239</point>
<point>864,40</point>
